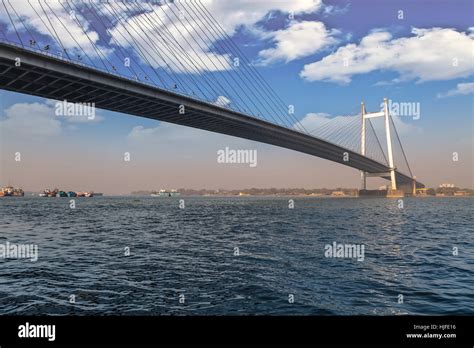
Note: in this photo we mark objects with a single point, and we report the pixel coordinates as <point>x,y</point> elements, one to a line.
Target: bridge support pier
<point>388,134</point>
<point>393,190</point>
<point>363,178</point>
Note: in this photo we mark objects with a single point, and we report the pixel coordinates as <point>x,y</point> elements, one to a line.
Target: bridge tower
<point>393,192</point>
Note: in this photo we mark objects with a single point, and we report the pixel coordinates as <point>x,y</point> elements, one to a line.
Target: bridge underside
<point>54,78</point>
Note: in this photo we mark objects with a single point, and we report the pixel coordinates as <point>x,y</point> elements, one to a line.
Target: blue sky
<point>422,55</point>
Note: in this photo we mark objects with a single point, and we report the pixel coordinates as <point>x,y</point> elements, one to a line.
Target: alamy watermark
<point>19,251</point>
<point>348,251</point>
<point>237,156</point>
<point>410,109</point>
<point>37,331</point>
<point>65,108</point>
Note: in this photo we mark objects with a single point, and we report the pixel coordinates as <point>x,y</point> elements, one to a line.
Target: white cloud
<point>461,89</point>
<point>330,128</point>
<point>222,101</point>
<point>30,120</point>
<point>233,14</point>
<point>404,128</point>
<point>431,54</point>
<point>164,133</point>
<point>331,9</point>
<point>38,120</point>
<point>82,119</point>
<point>167,41</point>
<point>323,125</point>
<point>192,50</point>
<point>313,121</point>
<point>299,40</point>
<point>138,132</point>
<point>42,18</point>
<point>183,27</point>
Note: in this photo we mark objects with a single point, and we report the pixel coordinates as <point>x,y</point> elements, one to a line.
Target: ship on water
<point>57,193</point>
<point>165,193</point>
<point>49,193</point>
<point>10,191</point>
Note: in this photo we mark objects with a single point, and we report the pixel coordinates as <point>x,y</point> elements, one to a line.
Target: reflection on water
<point>193,252</point>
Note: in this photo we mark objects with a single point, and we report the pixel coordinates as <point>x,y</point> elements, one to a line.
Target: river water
<point>238,255</point>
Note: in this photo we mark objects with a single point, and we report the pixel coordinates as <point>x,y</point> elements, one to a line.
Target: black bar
<point>139,330</point>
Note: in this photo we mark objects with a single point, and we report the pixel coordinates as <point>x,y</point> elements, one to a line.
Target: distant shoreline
<point>274,192</point>
<point>338,192</point>
<point>35,195</point>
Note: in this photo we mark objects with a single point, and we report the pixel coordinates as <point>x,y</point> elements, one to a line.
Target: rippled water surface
<point>190,252</point>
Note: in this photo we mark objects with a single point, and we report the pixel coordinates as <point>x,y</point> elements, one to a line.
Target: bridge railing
<point>62,57</point>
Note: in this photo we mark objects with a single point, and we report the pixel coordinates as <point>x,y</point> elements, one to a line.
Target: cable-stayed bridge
<point>172,61</point>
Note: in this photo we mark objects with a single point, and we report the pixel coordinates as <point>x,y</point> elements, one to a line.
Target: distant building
<point>422,191</point>
<point>338,193</point>
<point>460,193</point>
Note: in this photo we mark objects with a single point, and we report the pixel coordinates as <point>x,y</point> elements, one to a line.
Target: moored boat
<point>10,191</point>
<point>165,193</point>
<point>45,193</point>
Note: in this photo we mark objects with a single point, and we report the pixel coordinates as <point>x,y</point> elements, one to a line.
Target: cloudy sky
<point>323,57</point>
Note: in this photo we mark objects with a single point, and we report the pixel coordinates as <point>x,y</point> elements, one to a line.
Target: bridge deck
<point>54,78</point>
